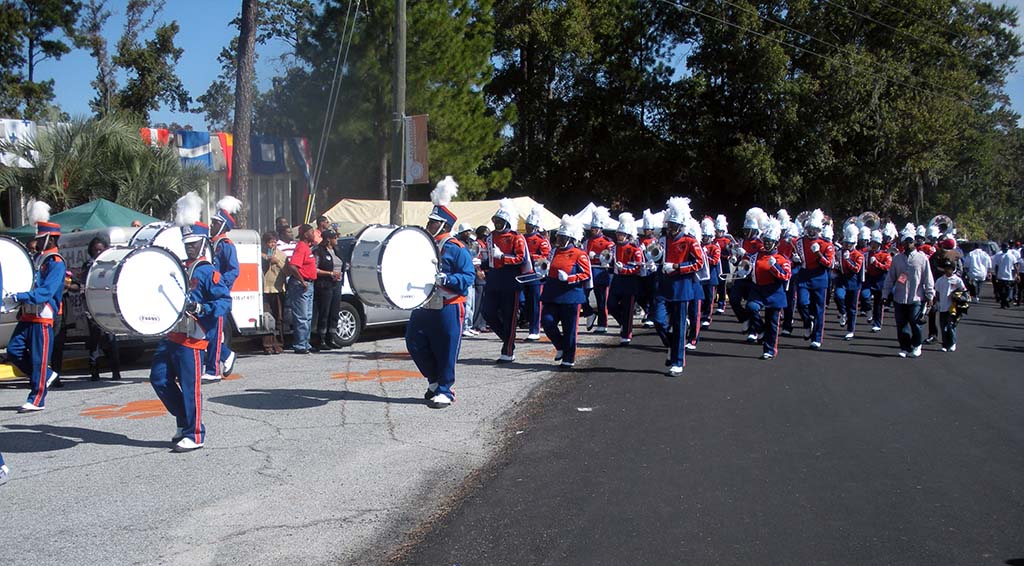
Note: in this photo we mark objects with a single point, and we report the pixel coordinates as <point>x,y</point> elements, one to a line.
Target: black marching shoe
<point>94,372</point>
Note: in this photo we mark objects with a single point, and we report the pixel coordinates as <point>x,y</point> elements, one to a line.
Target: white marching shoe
<point>532,337</point>
<point>815,345</point>
<point>229,364</point>
<point>751,337</point>
<point>767,356</point>
<point>29,408</point>
<point>439,401</point>
<point>675,371</point>
<point>624,341</point>
<point>849,336</point>
<point>187,445</point>
<point>916,352</point>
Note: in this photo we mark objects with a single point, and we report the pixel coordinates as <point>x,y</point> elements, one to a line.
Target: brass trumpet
<point>607,258</point>
<point>540,271</point>
<point>654,253</point>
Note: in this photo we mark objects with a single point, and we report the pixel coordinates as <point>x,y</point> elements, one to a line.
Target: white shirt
<point>944,287</point>
<point>287,248</point>
<point>978,264</point>
<point>1003,264</point>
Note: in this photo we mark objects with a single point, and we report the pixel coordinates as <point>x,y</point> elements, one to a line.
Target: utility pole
<point>396,173</point>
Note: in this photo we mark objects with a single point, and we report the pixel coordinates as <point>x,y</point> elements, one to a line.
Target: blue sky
<point>205,29</point>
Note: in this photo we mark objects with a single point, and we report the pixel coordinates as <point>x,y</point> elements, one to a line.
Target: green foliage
<point>31,31</point>
<point>85,159</point>
<point>150,64</point>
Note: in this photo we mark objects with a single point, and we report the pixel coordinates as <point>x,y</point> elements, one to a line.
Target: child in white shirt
<point>945,286</point>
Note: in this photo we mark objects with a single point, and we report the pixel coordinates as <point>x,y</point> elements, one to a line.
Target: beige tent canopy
<point>476,213</point>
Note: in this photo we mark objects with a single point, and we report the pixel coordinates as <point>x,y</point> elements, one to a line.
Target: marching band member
<point>30,346</point>
<point>724,241</point>
<point>434,333</point>
<point>539,248</point>
<point>770,275</point>
<point>178,361</point>
<point>692,229</point>
<point>753,221</point>
<point>220,360</point>
<point>595,244</point>
<point>849,279</point>
<point>713,254</point>
<point>678,283</point>
<point>921,241</point>
<point>788,247</point>
<point>508,259</point>
<point>563,291</point>
<point>648,278</point>
<point>629,261</point>
<point>813,282</point>
<point>878,264</point>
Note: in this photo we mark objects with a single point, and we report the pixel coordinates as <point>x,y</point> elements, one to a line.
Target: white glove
<point>874,260</point>
<point>497,253</point>
<point>815,247</point>
<point>593,254</point>
<point>476,261</point>
<point>562,276</point>
<point>668,267</point>
<point>772,260</point>
<point>9,304</point>
<point>440,279</point>
<point>619,265</point>
<point>846,254</point>
<point>651,266</point>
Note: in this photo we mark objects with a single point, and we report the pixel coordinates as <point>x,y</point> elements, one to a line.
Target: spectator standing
<point>467,236</point>
<point>273,290</point>
<point>945,252</point>
<point>946,288</point>
<point>977,266</point>
<point>285,242</point>
<point>94,343</point>
<point>302,273</point>
<point>327,291</point>
<point>1004,272</point>
<point>911,283</point>
<point>482,232</point>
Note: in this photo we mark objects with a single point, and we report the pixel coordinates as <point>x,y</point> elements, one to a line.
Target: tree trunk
<point>383,175</point>
<point>245,80</point>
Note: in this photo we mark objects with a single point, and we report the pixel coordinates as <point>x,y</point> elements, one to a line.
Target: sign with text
<point>417,171</point>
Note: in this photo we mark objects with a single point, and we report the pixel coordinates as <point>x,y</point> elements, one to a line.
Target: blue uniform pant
<point>433,338</point>
<point>29,350</point>
<point>622,306</point>
<point>176,376</point>
<point>645,297</point>
<point>601,298</point>
<point>787,312</point>
<point>707,307</point>
<point>532,299</point>
<point>811,304</point>
<point>693,320</point>
<point>948,326</point>
<point>670,324</point>
<point>564,338</point>
<point>738,293</point>
<point>848,300</point>
<point>908,331</point>
<point>217,351</point>
<point>877,308</point>
<point>501,311</point>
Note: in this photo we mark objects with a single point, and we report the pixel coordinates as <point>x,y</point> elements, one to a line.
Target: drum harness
<point>189,325</point>
<point>40,261</point>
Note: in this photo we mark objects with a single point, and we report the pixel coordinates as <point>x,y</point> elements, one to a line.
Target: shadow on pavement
<point>47,438</point>
<point>287,399</point>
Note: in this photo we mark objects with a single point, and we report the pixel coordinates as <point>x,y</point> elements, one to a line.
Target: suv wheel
<point>350,324</point>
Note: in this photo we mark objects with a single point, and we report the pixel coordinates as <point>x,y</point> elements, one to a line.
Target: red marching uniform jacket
<point>878,263</point>
<point>538,246</point>
<point>712,253</point>
<point>631,256</point>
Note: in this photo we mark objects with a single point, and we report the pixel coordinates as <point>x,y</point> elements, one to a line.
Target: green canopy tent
<point>89,216</point>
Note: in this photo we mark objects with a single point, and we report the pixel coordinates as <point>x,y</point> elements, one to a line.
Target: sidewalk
<point>309,460</point>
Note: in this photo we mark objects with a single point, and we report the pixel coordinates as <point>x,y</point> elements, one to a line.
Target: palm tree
<point>85,159</point>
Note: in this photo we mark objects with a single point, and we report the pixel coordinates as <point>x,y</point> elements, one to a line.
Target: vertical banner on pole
<point>417,171</point>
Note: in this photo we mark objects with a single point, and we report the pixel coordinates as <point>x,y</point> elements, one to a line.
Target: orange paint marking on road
<point>384,375</point>
<point>233,377</point>
<point>546,353</point>
<point>136,410</point>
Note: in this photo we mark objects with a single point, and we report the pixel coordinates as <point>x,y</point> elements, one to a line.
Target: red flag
<point>155,136</point>
<point>227,142</point>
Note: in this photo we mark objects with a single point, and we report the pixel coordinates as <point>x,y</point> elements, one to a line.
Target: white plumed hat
<point>865,233</point>
<point>653,221</point>
<point>783,216</point>
<point>773,231</point>
<point>933,231</point>
<point>707,226</point>
<point>816,220</point>
<point>828,232</point>
<point>442,196</point>
<point>850,233</point>
<point>755,219</point>
<point>921,230</point>
<point>507,212</point>
<point>876,236</point>
<point>909,231</point>
<point>627,224</point>
<point>721,223</point>
<point>678,210</point>
<point>791,229</point>
<point>600,218</point>
<point>571,227</point>
<point>891,231</point>
<point>536,216</point>
<point>692,227</point>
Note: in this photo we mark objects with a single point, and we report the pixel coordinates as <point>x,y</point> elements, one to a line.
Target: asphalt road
<point>849,455</point>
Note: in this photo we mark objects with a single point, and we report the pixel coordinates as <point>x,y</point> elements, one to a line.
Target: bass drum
<point>136,291</point>
<point>163,234</point>
<point>394,266</point>
<point>19,271</point>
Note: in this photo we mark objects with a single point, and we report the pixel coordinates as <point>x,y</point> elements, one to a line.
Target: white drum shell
<point>18,268</point>
<point>394,266</point>
<point>161,234</point>
<point>136,291</point>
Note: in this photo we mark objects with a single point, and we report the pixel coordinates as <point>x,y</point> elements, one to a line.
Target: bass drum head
<point>408,265</point>
<point>145,287</point>
<point>17,266</point>
<point>160,234</point>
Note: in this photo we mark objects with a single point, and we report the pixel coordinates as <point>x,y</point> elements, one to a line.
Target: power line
<point>809,51</point>
<point>830,44</point>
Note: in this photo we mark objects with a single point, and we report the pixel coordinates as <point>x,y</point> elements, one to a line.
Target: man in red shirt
<point>301,270</point>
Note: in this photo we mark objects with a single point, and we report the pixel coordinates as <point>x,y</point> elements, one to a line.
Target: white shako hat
<point>707,226</point>
<point>773,231</point>
<point>876,236</point>
<point>600,218</point>
<point>536,216</point>
<point>692,227</point>
<point>627,224</point>
<point>678,210</point>
<point>721,223</point>
<point>755,219</point>
<point>891,231</point>
<point>571,227</point>
<point>816,220</point>
<point>909,232</point>
<point>851,233</point>
<point>865,233</point>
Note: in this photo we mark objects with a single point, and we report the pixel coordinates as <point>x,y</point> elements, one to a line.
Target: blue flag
<point>194,148</point>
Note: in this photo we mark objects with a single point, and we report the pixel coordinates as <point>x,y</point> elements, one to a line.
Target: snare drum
<point>163,234</point>
<point>136,291</point>
<point>19,271</point>
<point>394,266</point>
